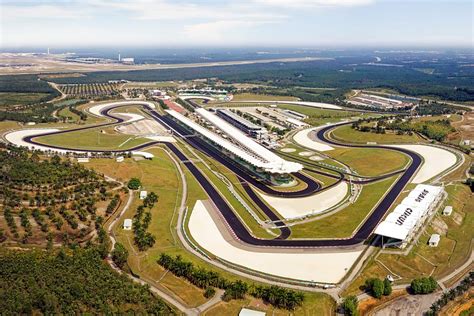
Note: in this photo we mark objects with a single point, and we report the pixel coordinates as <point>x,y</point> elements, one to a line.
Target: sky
<point>236,23</point>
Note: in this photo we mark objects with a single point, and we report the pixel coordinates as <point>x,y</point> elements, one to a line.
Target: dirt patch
<point>53,76</point>
<point>370,305</point>
<point>439,226</point>
<point>457,218</point>
<point>142,127</point>
<point>465,126</point>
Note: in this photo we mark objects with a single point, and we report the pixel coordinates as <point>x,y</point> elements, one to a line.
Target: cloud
<point>220,31</point>
<point>42,11</point>
<point>305,4</point>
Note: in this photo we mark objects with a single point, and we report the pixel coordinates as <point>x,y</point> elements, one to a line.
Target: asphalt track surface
<point>233,222</point>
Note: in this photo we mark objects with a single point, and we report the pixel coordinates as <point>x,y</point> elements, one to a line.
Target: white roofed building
<point>127,224</point>
<point>401,225</point>
<point>434,240</point>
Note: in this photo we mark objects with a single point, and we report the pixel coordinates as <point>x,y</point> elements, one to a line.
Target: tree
<point>387,287</point>
<point>375,287</point>
<point>350,304</point>
<point>119,255</point>
<point>134,184</point>
<point>209,292</point>
<point>423,285</point>
<point>150,200</point>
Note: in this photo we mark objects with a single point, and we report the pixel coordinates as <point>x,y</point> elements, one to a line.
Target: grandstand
<point>242,149</point>
<point>401,225</point>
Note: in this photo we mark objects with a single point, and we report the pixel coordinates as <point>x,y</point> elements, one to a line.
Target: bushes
<point>424,285</point>
<point>387,287</point>
<point>134,184</point>
<point>350,304</point>
<point>205,279</point>
<point>374,287</point>
<point>377,287</point>
<point>119,255</point>
<point>209,292</point>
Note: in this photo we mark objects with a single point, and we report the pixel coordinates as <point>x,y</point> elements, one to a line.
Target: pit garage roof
<point>275,162</point>
<point>405,217</point>
<point>259,157</point>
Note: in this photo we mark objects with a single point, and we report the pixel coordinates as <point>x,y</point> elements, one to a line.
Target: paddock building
<point>244,125</point>
<point>401,225</point>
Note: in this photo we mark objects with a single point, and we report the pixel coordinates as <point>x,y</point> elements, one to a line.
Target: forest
<point>450,82</point>
<point>71,282</point>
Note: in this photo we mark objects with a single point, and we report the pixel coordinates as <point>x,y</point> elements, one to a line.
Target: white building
<point>82,159</point>
<point>448,210</point>
<point>127,224</point>
<point>143,195</point>
<point>434,240</point>
<point>250,312</point>
<point>401,225</point>
<point>128,60</point>
<point>119,159</point>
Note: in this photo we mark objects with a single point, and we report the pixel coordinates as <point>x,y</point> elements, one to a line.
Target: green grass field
<point>347,134</point>
<point>343,223</point>
<point>261,97</point>
<point>93,139</point>
<point>16,98</point>
<point>370,161</point>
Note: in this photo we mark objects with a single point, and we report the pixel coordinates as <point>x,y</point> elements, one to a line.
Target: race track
<point>233,221</point>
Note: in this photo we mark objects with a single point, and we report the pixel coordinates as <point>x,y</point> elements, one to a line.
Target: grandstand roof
<point>251,152</point>
<point>405,217</point>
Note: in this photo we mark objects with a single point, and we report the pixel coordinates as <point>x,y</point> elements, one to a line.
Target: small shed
<point>448,210</point>
<point>82,159</point>
<point>127,224</point>
<point>143,195</point>
<point>250,312</point>
<point>119,159</point>
<point>434,240</point>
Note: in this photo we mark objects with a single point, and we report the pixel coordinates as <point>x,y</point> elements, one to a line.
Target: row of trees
<point>142,219</point>
<point>205,279</point>
<point>113,204</point>
<point>185,104</point>
<point>450,295</point>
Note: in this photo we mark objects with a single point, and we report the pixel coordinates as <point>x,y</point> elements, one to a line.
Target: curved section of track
<point>232,219</point>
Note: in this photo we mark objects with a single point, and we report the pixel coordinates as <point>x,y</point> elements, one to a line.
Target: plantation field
<point>347,134</point>
<point>343,223</point>
<point>8,99</point>
<point>370,161</point>
<point>93,139</point>
<point>93,89</point>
